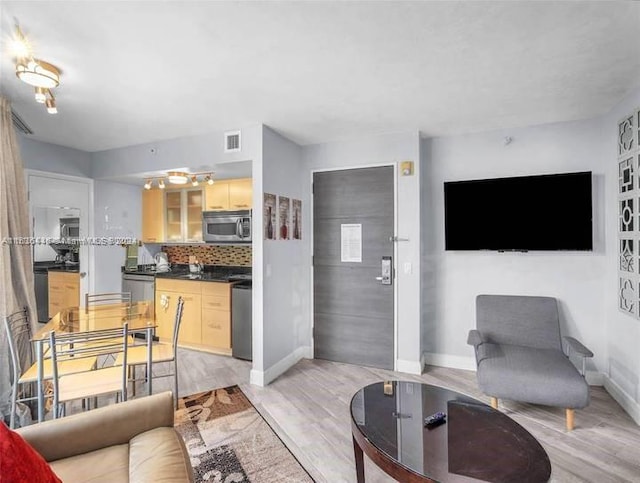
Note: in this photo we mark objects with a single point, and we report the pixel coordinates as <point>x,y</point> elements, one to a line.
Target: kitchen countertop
<point>210,274</point>
<point>55,267</point>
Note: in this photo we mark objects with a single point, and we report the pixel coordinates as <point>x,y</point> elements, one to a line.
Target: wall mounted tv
<point>549,212</point>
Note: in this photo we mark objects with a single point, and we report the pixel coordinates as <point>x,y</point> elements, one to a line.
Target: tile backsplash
<point>222,255</point>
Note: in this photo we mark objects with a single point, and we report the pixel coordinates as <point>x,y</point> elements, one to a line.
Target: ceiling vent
<point>19,124</point>
<point>232,142</point>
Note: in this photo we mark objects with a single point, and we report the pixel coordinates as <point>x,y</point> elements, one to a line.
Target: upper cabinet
<point>175,215</point>
<point>153,216</point>
<point>231,194</point>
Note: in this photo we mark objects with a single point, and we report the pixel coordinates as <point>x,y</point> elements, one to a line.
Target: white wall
<point>576,279</point>
<point>54,158</point>
<point>622,365</point>
<point>117,213</point>
<point>282,331</point>
<point>389,149</point>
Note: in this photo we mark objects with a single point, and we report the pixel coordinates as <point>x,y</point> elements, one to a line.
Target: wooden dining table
<point>77,320</point>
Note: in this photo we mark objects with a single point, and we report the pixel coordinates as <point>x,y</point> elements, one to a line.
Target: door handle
<point>379,279</point>
<point>83,274</point>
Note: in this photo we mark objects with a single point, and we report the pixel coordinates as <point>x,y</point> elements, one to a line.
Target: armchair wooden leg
<point>569,419</point>
<point>494,402</point>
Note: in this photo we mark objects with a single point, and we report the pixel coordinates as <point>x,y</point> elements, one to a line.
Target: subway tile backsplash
<point>221,255</point>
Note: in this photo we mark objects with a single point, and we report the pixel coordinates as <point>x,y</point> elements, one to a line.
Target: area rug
<point>229,442</point>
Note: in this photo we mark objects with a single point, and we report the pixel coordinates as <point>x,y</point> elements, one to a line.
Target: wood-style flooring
<point>308,407</point>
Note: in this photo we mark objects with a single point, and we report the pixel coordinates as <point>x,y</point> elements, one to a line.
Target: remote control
<point>435,420</point>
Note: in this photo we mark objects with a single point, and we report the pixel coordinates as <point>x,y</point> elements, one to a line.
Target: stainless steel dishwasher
<point>241,321</point>
<point>141,286</point>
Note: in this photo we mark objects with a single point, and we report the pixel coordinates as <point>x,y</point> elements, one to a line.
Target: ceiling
<point>136,72</point>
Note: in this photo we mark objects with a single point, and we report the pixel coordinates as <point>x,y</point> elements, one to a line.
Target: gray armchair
<point>520,356</point>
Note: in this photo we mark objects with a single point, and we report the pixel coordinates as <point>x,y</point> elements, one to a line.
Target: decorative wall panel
<point>628,150</point>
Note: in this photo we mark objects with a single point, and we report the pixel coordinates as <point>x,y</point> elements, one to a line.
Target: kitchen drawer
<point>216,329</point>
<point>216,288</point>
<point>180,286</point>
<point>214,302</point>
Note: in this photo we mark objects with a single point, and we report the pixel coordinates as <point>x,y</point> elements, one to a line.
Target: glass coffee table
<point>475,443</point>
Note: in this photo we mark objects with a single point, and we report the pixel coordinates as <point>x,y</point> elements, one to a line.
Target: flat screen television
<point>548,212</point>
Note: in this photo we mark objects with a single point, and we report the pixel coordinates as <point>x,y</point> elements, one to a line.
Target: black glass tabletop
<point>475,441</point>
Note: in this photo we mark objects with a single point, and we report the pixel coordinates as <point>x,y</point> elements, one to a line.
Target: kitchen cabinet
<point>231,194</point>
<point>64,291</point>
<point>153,216</point>
<point>206,319</point>
<point>184,215</point>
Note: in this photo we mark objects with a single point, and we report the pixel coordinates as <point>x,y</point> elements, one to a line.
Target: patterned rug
<point>229,442</point>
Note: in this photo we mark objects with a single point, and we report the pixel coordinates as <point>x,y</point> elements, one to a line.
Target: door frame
<point>90,279</point>
<point>393,165</point>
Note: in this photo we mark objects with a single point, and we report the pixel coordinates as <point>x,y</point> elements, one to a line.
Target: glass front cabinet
<point>183,215</point>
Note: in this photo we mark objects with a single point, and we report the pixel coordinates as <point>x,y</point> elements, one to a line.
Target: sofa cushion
<point>527,374</point>
<point>107,465</point>
<point>159,455</point>
<point>19,462</point>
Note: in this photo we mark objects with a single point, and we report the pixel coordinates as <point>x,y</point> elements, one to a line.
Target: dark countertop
<point>210,274</point>
<point>55,267</point>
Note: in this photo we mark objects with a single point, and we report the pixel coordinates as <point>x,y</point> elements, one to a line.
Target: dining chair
<point>161,352</point>
<point>18,329</point>
<point>75,346</point>
<point>96,300</point>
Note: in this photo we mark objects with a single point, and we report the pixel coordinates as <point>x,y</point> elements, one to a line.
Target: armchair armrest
<point>100,428</point>
<point>475,338</point>
<point>576,346</point>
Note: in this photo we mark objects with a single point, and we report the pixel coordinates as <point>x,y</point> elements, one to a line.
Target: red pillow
<point>20,463</point>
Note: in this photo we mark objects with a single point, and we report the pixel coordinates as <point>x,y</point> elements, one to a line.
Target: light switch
<point>408,268</point>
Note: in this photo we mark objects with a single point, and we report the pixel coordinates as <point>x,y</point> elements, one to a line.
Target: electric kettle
<point>162,262</point>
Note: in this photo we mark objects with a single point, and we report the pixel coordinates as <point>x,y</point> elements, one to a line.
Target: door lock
<point>385,271</point>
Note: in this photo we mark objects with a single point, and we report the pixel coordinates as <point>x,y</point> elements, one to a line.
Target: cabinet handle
<point>215,207</point>
<point>71,287</point>
<point>241,206</point>
<point>150,239</point>
<point>214,326</point>
<point>215,304</point>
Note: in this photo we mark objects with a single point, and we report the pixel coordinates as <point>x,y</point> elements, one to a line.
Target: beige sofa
<point>132,441</point>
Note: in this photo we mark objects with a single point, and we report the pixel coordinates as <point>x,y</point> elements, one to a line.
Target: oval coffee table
<point>476,443</point>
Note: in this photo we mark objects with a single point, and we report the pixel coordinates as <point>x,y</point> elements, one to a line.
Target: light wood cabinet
<point>64,291</point>
<point>153,216</point>
<point>217,196</point>
<point>231,194</point>
<point>241,194</point>
<point>206,318</point>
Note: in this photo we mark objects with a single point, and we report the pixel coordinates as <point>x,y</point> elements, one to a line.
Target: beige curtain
<point>16,268</point>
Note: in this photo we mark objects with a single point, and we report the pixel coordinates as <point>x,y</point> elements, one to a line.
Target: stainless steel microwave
<point>226,226</point>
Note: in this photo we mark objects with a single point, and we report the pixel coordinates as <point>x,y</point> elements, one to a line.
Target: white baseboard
<point>263,378</point>
<point>447,360</point>
<point>409,367</point>
<point>623,398</point>
<point>594,378</point>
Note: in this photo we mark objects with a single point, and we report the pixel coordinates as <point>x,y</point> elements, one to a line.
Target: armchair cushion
<point>538,376</point>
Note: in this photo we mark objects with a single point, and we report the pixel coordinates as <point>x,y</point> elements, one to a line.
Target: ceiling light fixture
<point>35,72</point>
<point>177,177</point>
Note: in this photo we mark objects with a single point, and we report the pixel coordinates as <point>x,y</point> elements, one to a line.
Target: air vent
<point>232,141</point>
<point>19,124</point>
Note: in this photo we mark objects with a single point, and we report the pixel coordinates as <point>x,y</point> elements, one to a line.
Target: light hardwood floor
<point>308,407</point>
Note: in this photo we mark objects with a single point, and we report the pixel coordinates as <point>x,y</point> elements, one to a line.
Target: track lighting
<point>147,185</point>
<point>161,184</point>
<point>194,181</point>
<point>209,180</point>
<point>51,106</point>
<point>41,95</point>
<point>175,177</point>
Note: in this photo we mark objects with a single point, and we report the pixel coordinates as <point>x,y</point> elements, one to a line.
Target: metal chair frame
<point>106,298</point>
<point>17,326</point>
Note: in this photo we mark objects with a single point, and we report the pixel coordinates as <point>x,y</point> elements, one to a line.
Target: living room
<point>488,91</point>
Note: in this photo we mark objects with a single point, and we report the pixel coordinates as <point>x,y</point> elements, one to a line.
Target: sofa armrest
<point>577,347</point>
<point>100,428</point>
<point>475,338</point>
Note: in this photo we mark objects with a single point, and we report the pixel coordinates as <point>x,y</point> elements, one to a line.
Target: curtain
<point>16,268</point>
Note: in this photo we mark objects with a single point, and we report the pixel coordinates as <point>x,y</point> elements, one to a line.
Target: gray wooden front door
<point>353,312</point>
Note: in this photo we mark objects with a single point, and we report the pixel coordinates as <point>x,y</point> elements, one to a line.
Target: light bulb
<point>209,180</point>
<point>51,106</point>
<point>147,185</point>
<point>161,184</point>
<point>41,96</point>
<point>194,181</point>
